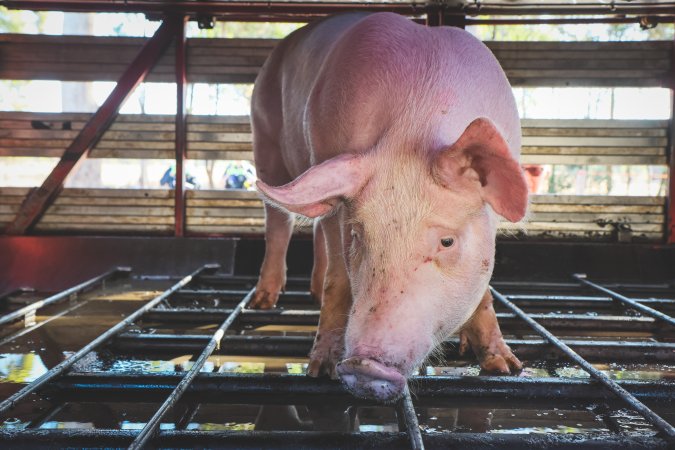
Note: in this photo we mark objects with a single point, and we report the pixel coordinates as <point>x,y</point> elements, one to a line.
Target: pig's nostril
<point>370,379</point>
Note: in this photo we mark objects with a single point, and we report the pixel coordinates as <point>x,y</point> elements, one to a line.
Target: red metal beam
<point>37,202</point>
<point>181,129</point>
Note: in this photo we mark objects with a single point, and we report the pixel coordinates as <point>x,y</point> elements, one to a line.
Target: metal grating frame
<point>185,303</point>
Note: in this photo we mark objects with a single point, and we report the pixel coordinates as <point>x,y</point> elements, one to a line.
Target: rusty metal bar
<point>181,129</point>
<point>39,200</point>
<point>68,293</point>
<point>329,7</point>
<point>651,312</point>
<point>24,331</point>
<point>670,205</point>
<point>406,410</point>
<point>659,423</point>
<point>151,426</point>
<point>271,388</point>
<point>304,299</point>
<point>299,346</point>
<point>293,440</point>
<point>66,364</point>
<point>574,322</point>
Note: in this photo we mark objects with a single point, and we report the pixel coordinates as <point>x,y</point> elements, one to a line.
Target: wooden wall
<point>122,211</point>
<point>78,58</point>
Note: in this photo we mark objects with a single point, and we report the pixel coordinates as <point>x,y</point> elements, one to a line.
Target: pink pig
<point>402,142</point>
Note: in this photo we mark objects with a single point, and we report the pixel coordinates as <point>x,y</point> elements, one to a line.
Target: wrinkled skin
<point>402,142</point>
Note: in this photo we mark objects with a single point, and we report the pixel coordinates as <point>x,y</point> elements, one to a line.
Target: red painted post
<point>181,128</point>
<point>37,202</point>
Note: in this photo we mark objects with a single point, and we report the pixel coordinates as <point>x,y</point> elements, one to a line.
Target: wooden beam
<point>41,198</point>
<point>181,129</point>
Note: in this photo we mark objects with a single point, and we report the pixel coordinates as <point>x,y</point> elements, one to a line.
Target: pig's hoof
<point>264,299</point>
<point>367,378</point>
<point>327,351</point>
<point>494,356</point>
<point>503,364</point>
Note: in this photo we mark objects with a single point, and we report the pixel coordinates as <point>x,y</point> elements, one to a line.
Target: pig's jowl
<point>402,142</point>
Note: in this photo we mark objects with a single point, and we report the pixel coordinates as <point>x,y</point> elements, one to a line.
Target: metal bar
<point>651,312</point>
<point>660,424</point>
<point>24,331</point>
<point>46,416</point>
<point>310,318</point>
<point>670,204</point>
<point>37,202</point>
<point>190,412</point>
<point>4,297</point>
<point>61,368</point>
<point>329,7</point>
<point>181,129</point>
<point>302,283</point>
<point>293,440</point>
<point>272,387</point>
<point>151,426</point>
<point>406,409</point>
<point>297,298</point>
<point>299,346</point>
<point>21,312</point>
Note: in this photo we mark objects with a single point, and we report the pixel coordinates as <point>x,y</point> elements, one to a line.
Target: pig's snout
<point>368,378</point>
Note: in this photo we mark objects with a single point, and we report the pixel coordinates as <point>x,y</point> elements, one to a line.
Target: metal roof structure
<point>472,12</point>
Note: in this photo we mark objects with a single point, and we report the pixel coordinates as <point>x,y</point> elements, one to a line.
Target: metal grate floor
<point>193,367</point>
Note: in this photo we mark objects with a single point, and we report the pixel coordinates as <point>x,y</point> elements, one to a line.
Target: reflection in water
<point>20,367</point>
<point>229,426</point>
<point>242,367</point>
<point>136,365</point>
<point>67,425</point>
<point>296,368</point>
<point>560,429</point>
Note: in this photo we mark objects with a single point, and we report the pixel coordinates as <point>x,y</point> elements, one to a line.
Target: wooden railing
<point>90,58</point>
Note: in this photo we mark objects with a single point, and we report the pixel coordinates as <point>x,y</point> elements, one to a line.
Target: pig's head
<point>419,245</point>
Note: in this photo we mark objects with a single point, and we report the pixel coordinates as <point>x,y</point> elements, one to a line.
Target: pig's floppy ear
<point>317,191</point>
<point>482,151</point>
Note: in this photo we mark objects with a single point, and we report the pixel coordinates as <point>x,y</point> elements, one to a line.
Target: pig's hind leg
<point>278,230</point>
<point>482,333</point>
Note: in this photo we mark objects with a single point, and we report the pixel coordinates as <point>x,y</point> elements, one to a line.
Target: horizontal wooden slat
<point>597,200</point>
<point>225,137</point>
<point>608,209</point>
<point>238,60</point>
<point>594,160</point>
<point>576,226</point>
<point>104,228</point>
<point>111,211</point>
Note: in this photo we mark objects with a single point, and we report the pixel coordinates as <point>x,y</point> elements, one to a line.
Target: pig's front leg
<point>278,230</point>
<point>336,299</point>
<point>482,333</point>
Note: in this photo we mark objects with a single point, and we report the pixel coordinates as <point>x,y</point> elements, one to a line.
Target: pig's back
<point>347,81</point>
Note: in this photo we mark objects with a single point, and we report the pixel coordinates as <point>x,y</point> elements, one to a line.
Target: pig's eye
<point>447,242</point>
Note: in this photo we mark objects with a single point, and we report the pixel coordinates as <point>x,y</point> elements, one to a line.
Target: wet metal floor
<point>121,384</point>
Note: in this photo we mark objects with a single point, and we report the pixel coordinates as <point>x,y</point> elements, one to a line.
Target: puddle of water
<point>623,371</point>
<point>20,368</point>
<point>67,425</point>
<point>229,426</point>
<point>242,367</point>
